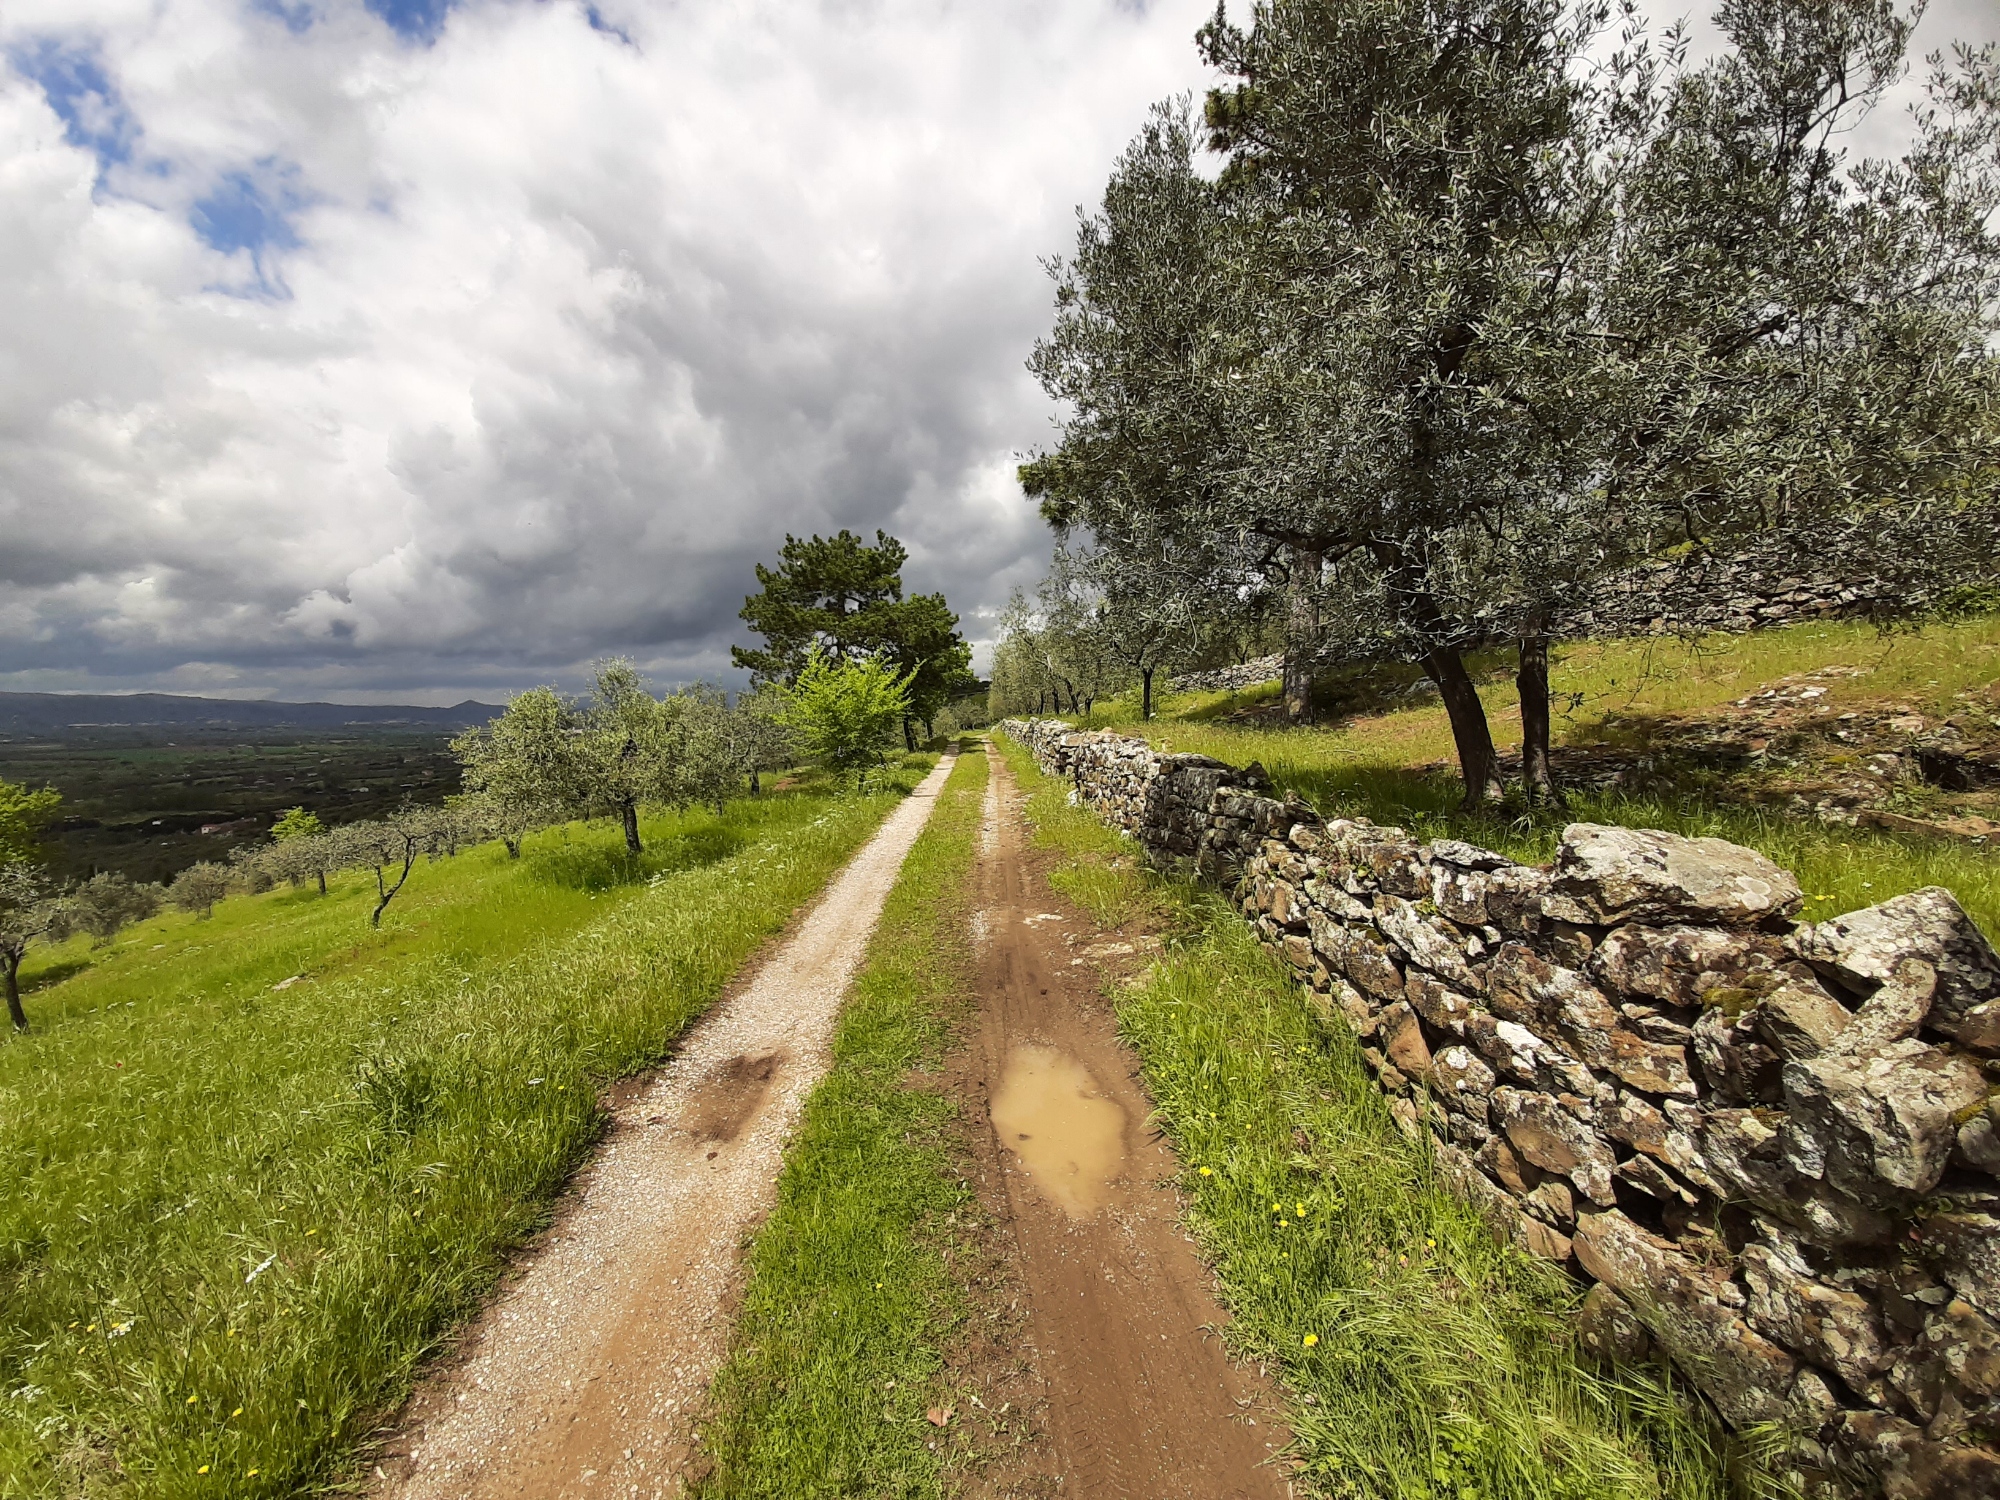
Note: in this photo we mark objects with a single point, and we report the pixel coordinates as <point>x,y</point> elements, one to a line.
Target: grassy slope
<point>850,1298</point>
<point>1421,1359</point>
<point>232,1219</point>
<point>1369,765</point>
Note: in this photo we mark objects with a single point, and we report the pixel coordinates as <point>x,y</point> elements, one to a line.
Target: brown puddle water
<point>1048,1112</point>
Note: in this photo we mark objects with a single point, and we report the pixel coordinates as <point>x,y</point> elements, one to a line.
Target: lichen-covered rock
<point>1359,953</point>
<point>1520,1054</point>
<point>1800,1020</point>
<point>1964,1249</point>
<point>1437,1002</point>
<point>1685,1305</point>
<point>1862,948</point>
<point>1738,1065</point>
<point>1403,1041</point>
<point>1428,941</point>
<point>1896,1010</point>
<point>1879,1128</point>
<point>1555,1140</point>
<point>1838,1330</point>
<point>1679,965</point>
<point>1514,898</point>
<point>1524,987</point>
<point>1608,875</point>
<point>1609,1329</point>
<point>1459,894</point>
<point>1647,1175</point>
<point>1498,1208</point>
<point>1463,1081</point>
<point>1979,1141</point>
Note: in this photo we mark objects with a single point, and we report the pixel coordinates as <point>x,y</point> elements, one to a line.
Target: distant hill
<point>55,713</point>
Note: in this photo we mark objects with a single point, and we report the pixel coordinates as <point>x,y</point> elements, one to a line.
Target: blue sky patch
<point>413,20</point>
<point>78,89</point>
<point>251,211</point>
<point>298,15</point>
<point>610,28</point>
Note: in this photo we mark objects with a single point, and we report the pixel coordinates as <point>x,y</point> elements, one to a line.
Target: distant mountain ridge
<point>52,713</point>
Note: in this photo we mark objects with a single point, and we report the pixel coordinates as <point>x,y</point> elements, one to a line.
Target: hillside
<point>61,714</point>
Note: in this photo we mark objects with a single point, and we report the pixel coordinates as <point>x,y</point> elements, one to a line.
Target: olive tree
<point>390,847</point>
<point>1479,308</point>
<point>105,904</point>
<point>199,887</point>
<point>30,910</point>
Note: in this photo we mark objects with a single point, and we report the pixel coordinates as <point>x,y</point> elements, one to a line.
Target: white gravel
<point>586,1377</point>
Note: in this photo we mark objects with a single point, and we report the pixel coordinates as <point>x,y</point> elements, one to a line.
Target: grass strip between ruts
<point>1420,1358</point>
<point>850,1297</point>
<point>232,1221</point>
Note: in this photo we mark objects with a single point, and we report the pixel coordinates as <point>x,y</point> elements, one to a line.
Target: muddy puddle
<point>1049,1111</point>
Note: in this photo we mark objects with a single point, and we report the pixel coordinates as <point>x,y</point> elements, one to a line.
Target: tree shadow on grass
<point>54,974</point>
<point>602,866</point>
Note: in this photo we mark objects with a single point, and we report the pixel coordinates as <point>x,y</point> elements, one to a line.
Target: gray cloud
<point>345,363</point>
<point>349,363</point>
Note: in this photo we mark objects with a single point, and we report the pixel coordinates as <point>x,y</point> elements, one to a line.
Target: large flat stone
<point>1607,875</point>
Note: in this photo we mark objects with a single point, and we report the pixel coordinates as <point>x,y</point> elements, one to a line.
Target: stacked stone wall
<point>1771,1145</point>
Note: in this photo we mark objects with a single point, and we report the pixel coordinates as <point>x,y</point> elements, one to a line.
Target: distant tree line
<point>1490,298</point>
<point>847,660</point>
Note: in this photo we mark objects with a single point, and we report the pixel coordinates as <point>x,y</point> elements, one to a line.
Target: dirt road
<point>1139,1397</point>
<point>584,1379</point>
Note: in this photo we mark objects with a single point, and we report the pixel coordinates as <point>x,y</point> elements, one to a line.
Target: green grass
<point>1439,1364</point>
<point>837,1351</point>
<point>234,1218</point>
<point>1383,766</point>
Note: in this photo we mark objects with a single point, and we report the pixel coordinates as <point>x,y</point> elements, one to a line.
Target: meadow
<point>1395,764</point>
<point>258,1166</point>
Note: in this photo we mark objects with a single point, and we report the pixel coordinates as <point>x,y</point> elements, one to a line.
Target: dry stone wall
<point>1771,1145</point>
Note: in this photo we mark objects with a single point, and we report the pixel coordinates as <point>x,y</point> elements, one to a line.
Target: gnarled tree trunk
<point>1531,677</point>
<point>1477,762</point>
<point>1302,627</point>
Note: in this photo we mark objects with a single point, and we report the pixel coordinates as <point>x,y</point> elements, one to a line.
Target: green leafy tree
<point>390,847</point>
<point>296,823</point>
<point>765,742</point>
<point>845,597</point>
<point>925,646</point>
<point>835,592</point>
<point>1479,308</point>
<point>105,904</point>
<point>527,767</point>
<point>23,816</point>
<point>844,712</point>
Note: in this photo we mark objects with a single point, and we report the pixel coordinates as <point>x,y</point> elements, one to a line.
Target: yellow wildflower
<point>1207,1172</point>
<point>202,1470</point>
<point>1311,1339</point>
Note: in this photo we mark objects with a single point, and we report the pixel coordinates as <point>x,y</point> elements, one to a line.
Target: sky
<point>412,350</point>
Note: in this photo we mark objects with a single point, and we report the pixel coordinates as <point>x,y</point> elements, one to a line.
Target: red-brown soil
<point>1118,1327</point>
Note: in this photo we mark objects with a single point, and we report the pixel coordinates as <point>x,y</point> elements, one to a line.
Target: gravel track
<point>587,1376</point>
